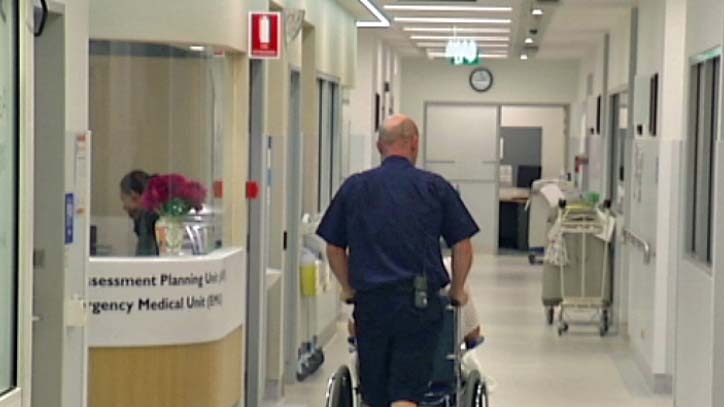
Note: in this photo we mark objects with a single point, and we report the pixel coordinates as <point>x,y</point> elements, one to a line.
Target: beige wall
<point>224,23</point>
<point>515,82</point>
<point>221,23</point>
<point>335,39</point>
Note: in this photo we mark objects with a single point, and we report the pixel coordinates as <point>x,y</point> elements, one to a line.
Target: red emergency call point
<point>265,35</point>
<point>252,190</point>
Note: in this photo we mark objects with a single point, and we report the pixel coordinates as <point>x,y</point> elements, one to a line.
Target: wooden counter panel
<point>200,375</point>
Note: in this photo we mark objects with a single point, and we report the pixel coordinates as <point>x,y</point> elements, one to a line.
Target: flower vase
<point>170,233</point>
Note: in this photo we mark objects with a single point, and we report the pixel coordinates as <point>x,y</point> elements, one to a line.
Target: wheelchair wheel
<point>340,391</point>
<point>476,391</point>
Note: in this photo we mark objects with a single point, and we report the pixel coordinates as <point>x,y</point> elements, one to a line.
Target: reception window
<point>159,115</point>
<point>8,194</point>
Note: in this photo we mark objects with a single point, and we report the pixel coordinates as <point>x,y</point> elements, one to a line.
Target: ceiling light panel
<point>449,8</point>
<point>460,30</point>
<point>459,37</point>
<point>452,20</point>
<point>444,44</point>
<point>442,55</point>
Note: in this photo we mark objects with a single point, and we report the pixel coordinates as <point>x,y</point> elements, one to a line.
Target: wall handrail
<point>638,241</point>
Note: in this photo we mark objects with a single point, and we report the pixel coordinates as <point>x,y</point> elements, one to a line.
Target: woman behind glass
<point>133,185</point>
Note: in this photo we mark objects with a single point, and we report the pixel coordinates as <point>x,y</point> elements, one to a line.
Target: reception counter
<point>167,332</point>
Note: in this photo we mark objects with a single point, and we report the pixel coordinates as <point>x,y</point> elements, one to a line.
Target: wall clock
<point>481,80</point>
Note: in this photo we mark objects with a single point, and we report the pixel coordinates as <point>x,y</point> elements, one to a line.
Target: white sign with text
<point>165,301</point>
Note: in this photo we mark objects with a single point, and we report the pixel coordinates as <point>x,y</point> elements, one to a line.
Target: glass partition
<point>8,193</point>
<point>159,114</point>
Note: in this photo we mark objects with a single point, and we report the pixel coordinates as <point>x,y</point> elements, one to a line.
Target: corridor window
<point>8,192</point>
<point>619,132</point>
<point>157,112</point>
<point>703,128</point>
<point>329,147</point>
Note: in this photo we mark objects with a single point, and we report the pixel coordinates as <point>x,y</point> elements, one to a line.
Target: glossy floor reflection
<point>531,364</point>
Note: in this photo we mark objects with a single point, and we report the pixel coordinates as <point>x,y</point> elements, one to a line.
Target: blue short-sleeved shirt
<point>392,218</point>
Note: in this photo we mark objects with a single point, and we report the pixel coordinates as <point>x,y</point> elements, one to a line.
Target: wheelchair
<point>449,387</point>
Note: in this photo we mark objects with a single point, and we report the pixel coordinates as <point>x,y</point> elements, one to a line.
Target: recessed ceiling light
<point>382,21</point>
<point>447,8</point>
<point>462,30</point>
<point>524,57</point>
<point>537,11</point>
<point>452,20</point>
<point>444,44</point>
<point>197,48</point>
<point>529,40</point>
<point>460,37</point>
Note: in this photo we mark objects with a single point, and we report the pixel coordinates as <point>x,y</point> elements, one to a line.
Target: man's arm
<point>462,261</point>
<point>339,262</point>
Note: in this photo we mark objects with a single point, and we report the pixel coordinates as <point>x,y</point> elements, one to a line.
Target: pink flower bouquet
<point>173,195</point>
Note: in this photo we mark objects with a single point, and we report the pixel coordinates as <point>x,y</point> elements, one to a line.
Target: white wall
<point>619,53</point>
<point>553,122</point>
<point>694,383</point>
<point>377,63</point>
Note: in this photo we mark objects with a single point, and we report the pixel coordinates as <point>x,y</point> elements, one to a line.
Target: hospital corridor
<point>529,362</point>
<point>361,203</point>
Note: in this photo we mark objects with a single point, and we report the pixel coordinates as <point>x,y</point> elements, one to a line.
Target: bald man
<point>383,231</point>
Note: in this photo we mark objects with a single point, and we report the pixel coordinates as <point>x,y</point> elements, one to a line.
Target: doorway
<point>257,241</point>
<point>60,247</point>
<point>295,169</point>
<point>10,343</point>
<point>533,147</point>
<point>521,151</point>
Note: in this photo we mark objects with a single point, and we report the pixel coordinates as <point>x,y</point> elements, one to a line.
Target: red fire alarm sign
<point>265,35</point>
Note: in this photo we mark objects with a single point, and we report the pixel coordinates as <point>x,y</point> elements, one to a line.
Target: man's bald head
<point>399,136</point>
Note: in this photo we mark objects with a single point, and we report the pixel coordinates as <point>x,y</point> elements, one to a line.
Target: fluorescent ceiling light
<point>524,57</point>
<point>482,51</point>
<point>529,40</point>
<point>197,48</point>
<point>442,55</point>
<point>453,20</point>
<point>444,44</point>
<point>537,12</point>
<point>447,8</point>
<point>461,37</point>
<point>382,21</point>
<point>463,30</point>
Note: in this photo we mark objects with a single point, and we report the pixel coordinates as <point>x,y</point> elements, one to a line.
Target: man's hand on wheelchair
<point>347,295</point>
<point>459,296</point>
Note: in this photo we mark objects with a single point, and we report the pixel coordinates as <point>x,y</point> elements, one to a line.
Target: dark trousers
<point>396,344</point>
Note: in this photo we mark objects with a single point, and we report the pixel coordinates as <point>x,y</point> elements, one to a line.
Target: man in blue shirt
<point>383,231</point>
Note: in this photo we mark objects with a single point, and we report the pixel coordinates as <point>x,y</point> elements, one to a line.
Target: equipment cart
<point>579,245</point>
